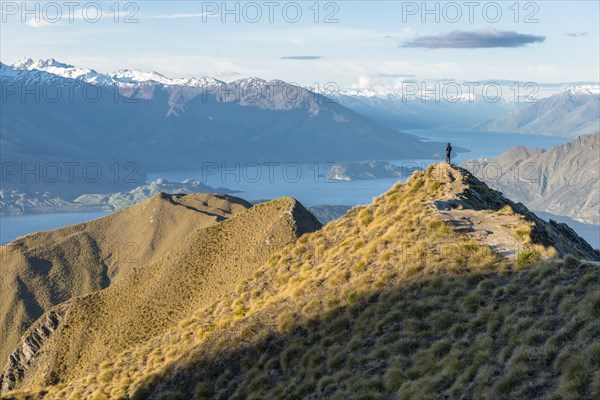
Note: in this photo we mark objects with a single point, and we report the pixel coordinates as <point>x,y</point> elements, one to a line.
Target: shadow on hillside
<point>473,336</point>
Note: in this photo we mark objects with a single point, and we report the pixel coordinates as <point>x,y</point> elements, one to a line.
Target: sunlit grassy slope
<point>43,269</point>
<point>394,300</point>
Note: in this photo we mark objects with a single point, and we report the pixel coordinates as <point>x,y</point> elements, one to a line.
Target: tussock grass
<point>58,265</point>
<point>371,307</point>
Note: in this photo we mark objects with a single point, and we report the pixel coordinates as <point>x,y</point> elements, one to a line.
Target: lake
<point>591,233</point>
<point>486,144</point>
<point>305,181</point>
<point>11,227</point>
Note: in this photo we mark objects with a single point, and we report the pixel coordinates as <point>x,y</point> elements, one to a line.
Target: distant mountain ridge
<point>129,123</point>
<point>395,109</point>
<point>162,123</point>
<point>455,105</point>
<point>564,180</point>
<point>124,77</point>
<point>571,113</point>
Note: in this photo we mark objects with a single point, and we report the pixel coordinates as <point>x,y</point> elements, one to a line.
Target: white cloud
<point>364,82</point>
<point>40,23</point>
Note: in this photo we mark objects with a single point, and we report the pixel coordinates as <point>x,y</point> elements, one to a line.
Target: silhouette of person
<point>448,153</point>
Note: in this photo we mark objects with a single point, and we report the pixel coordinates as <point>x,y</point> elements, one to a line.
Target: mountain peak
<point>251,81</point>
<point>26,63</point>
<point>126,75</point>
<point>468,204</point>
<point>23,63</point>
<point>585,90</point>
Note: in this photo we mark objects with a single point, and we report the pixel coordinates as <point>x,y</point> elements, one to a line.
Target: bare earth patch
<point>491,229</point>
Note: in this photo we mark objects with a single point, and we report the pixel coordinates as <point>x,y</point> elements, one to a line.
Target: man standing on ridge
<point>448,153</point>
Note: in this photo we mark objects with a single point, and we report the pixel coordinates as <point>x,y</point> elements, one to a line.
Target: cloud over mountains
<point>486,38</point>
<point>302,58</point>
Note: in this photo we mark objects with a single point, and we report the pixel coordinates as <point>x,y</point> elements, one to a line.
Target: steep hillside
<point>199,269</point>
<point>571,113</point>
<point>441,288</point>
<point>564,180</point>
<point>41,270</point>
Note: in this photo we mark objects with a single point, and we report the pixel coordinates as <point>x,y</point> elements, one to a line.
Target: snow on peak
<point>249,82</point>
<point>23,63</point>
<point>371,93</point>
<point>128,76</point>
<point>585,89</point>
<point>131,77</point>
<point>121,77</point>
<point>58,68</point>
<point>27,63</point>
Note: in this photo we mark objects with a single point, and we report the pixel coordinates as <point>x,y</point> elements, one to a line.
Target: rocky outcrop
<point>33,340</point>
<point>465,192</point>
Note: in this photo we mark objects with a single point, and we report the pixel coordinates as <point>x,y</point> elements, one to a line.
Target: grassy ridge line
<point>368,307</point>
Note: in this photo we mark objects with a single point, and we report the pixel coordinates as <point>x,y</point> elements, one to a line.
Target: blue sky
<point>364,44</point>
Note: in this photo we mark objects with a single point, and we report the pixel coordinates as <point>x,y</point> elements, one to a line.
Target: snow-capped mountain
<point>123,77</point>
<point>411,107</point>
<point>585,90</point>
<point>251,91</point>
<point>57,68</point>
<point>574,112</point>
<point>128,76</point>
<point>160,123</point>
<point>402,111</point>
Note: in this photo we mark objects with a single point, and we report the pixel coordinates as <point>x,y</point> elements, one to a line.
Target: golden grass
<point>41,270</point>
<point>382,303</point>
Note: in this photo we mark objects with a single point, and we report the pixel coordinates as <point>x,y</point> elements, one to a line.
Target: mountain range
<point>440,286</point>
<point>571,113</point>
<point>69,131</point>
<point>398,110</point>
<point>555,109</point>
<point>562,180</point>
<point>164,123</point>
